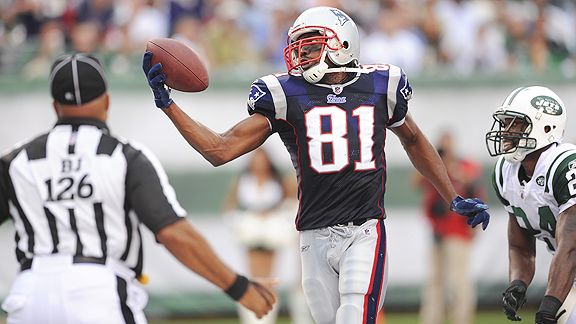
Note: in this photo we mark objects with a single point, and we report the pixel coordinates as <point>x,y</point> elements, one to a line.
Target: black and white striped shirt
<point>79,191</point>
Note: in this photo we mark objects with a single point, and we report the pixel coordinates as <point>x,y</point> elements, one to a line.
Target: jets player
<point>535,179</point>
<point>332,115</point>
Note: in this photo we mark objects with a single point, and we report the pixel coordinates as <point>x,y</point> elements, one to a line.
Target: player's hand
<point>473,208</point>
<point>513,298</point>
<point>258,298</point>
<point>549,307</point>
<point>156,81</point>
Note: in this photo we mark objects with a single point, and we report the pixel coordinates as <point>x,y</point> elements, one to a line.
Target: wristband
<point>238,288</point>
<point>550,305</point>
<point>518,282</point>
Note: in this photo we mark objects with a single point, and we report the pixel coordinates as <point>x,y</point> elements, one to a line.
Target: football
<point>184,68</point>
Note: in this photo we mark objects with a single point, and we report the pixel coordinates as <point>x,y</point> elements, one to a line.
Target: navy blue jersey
<point>335,135</point>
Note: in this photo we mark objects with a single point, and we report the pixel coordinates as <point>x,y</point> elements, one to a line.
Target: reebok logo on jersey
<point>332,98</point>
<point>548,105</point>
<point>255,94</point>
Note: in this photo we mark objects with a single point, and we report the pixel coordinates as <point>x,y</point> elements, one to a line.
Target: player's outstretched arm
<point>216,148</point>
<point>562,269</point>
<point>425,158</point>
<point>427,161</point>
<point>192,250</point>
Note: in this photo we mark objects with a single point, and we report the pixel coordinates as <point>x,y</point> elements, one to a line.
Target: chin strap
<point>347,69</point>
<point>315,73</point>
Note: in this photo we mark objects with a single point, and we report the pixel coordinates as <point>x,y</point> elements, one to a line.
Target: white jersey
<point>537,202</point>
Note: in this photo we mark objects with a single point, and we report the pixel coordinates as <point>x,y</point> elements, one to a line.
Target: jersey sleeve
<point>148,191</point>
<point>268,98</point>
<point>498,184</point>
<point>4,213</point>
<point>399,93</point>
<point>563,184</point>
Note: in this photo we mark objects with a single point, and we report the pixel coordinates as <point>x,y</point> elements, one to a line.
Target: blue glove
<point>156,81</point>
<point>473,208</point>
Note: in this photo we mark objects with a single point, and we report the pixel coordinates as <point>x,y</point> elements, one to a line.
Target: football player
<point>535,179</point>
<point>332,115</point>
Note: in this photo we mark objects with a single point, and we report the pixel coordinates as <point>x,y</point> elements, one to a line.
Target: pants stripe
<point>123,295</point>
<point>372,298</point>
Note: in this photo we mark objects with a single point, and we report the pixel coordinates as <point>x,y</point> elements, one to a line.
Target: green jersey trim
<point>561,182</point>
<point>498,181</point>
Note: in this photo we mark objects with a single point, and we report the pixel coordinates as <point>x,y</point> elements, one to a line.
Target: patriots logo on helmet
<point>255,94</point>
<point>342,18</point>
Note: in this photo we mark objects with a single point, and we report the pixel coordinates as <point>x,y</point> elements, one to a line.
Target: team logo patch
<point>255,94</point>
<point>332,98</point>
<point>540,181</point>
<point>342,18</point>
<point>406,90</point>
<point>548,105</point>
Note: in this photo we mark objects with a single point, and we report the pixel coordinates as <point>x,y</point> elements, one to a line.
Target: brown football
<point>184,68</point>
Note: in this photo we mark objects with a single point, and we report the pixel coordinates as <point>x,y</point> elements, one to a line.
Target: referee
<point>77,196</point>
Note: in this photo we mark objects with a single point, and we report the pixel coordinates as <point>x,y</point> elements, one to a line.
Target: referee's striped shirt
<point>79,191</point>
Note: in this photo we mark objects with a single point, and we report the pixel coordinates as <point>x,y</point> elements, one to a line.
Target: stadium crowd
<point>461,37</point>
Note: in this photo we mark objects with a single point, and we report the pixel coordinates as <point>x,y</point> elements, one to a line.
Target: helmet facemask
<point>296,54</point>
<point>510,135</point>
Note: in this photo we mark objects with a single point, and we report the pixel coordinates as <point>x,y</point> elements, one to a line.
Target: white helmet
<point>338,40</point>
<point>542,112</point>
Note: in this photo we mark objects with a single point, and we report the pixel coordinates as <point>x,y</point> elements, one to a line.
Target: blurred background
<point>462,57</point>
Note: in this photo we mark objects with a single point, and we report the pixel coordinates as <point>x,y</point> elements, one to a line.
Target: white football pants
<point>55,291</point>
<point>344,272</point>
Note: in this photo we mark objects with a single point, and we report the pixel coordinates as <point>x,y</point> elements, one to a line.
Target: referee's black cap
<point>76,79</point>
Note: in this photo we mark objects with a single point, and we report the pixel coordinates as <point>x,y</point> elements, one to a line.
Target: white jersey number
<point>571,177</point>
<point>337,138</point>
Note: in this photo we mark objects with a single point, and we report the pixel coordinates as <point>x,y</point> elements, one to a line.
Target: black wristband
<point>518,282</point>
<point>238,288</point>
<point>550,305</point>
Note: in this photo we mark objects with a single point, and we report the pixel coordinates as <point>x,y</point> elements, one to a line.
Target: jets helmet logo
<point>548,105</point>
<point>255,94</point>
<point>342,18</point>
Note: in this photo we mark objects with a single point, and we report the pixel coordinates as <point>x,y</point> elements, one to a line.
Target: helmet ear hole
<point>345,44</point>
<point>547,129</point>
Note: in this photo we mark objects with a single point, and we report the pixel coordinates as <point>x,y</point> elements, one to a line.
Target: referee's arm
<point>192,250</point>
<point>154,201</point>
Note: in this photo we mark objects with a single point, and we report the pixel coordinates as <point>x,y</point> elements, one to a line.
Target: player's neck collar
<point>82,121</point>
<point>349,82</point>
